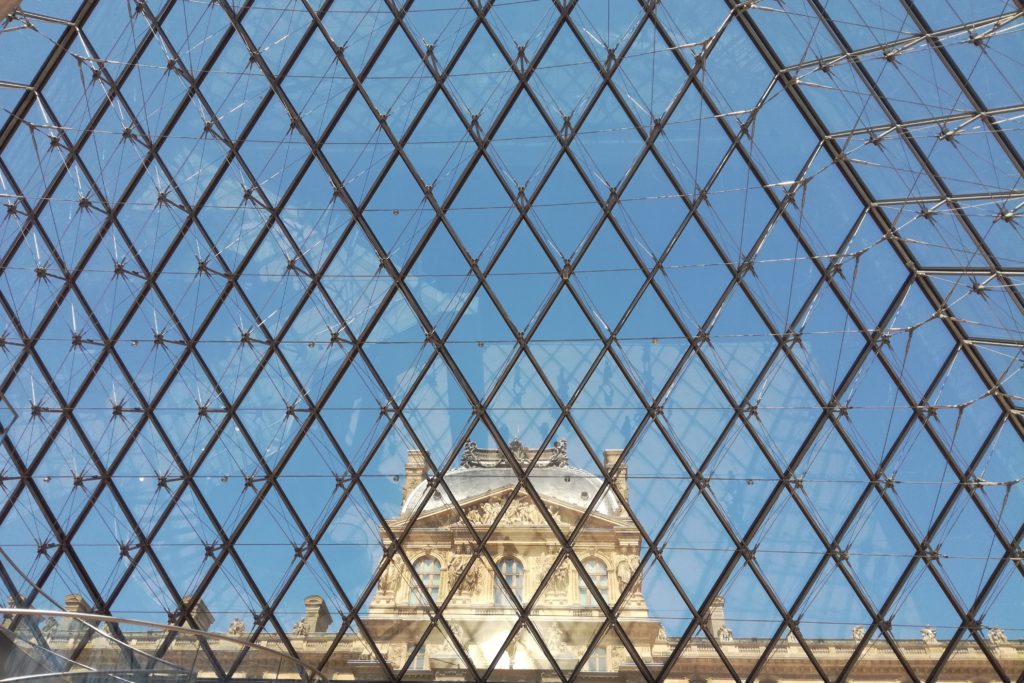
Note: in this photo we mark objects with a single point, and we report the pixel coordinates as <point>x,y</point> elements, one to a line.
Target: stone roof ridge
<point>474,456</point>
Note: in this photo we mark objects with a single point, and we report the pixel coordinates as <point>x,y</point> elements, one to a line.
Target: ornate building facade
<point>442,605</point>
<point>481,594</point>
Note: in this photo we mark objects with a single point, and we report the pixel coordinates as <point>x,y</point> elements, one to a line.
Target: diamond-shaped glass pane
<point>512,340</point>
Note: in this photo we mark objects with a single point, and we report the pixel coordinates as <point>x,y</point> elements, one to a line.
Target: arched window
<point>512,571</point>
<point>429,571</point>
<point>598,571</point>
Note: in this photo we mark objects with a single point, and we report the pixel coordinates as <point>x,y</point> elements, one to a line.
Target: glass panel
<point>466,341</point>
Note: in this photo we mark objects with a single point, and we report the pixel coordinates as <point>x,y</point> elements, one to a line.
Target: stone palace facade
<point>483,624</point>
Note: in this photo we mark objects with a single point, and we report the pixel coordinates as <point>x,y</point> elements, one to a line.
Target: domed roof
<point>483,471</point>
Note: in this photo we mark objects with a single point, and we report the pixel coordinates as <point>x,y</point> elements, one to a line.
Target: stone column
<point>611,457</point>
<point>415,468</point>
<point>317,618</point>
<point>75,603</point>
<point>196,608</point>
<point>716,616</point>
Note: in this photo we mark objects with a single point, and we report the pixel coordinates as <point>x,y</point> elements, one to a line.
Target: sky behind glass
<point>805,325</point>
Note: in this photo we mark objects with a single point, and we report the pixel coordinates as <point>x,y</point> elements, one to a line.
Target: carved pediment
<point>522,512</point>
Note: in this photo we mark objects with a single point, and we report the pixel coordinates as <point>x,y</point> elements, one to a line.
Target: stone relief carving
<point>485,513</point>
<point>475,578</point>
<point>459,634</point>
<point>617,656</point>
<point>560,580</point>
<point>388,581</point>
<point>471,581</point>
<point>558,644</point>
<point>455,565</point>
<point>520,513</point>
<point>519,642</point>
<point>519,452</point>
<point>392,652</point>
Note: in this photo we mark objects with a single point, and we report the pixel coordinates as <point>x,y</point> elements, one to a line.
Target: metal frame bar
<point>568,143</point>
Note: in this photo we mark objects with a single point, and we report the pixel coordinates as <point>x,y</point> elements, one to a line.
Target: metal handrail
<point>91,672</point>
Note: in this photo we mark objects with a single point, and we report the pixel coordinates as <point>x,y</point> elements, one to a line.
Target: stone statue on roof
<point>561,456</point>
<point>519,452</point>
<point>236,628</point>
<point>474,456</point>
<point>470,455</point>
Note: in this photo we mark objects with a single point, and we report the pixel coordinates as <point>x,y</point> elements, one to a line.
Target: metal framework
<point>97,149</point>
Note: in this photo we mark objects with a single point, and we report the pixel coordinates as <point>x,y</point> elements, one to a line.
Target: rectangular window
<point>419,662</point>
<point>598,572</point>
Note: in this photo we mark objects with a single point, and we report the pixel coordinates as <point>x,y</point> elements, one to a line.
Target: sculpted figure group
<point>472,457</point>
<point>521,513</point>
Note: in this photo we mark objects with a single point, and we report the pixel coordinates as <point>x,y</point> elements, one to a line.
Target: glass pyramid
<point>309,309</point>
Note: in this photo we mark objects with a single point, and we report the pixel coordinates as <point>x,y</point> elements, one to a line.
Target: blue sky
<point>738,406</point>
